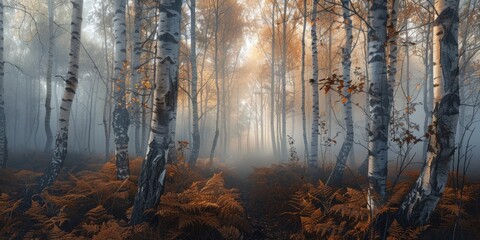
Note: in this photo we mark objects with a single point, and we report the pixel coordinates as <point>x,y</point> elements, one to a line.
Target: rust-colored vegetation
<point>279,202</point>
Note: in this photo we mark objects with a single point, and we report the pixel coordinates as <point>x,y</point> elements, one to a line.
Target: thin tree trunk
<point>91,110</point>
<point>304,117</point>
<point>337,173</point>
<point>136,75</point>
<point>3,130</point>
<point>106,105</point>
<point>48,95</point>
<point>217,90</point>
<point>272,85</point>
<point>392,48</point>
<point>426,85</point>
<point>379,104</point>
<point>121,118</point>
<point>223,98</point>
<point>60,152</point>
<point>284,84</point>
<point>151,184</point>
<point>421,201</point>
<point>193,59</point>
<point>313,159</point>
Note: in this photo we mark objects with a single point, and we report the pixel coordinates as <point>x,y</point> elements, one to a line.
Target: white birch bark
<point>152,178</point>
<point>136,76</point>
<point>48,95</point>
<point>379,103</point>
<point>337,173</point>
<point>421,201</point>
<point>61,142</point>
<point>3,132</point>
<point>304,117</point>
<point>392,49</point>
<point>193,59</point>
<point>312,161</point>
<point>121,119</point>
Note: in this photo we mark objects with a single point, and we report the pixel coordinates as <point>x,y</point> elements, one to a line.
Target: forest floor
<point>282,201</point>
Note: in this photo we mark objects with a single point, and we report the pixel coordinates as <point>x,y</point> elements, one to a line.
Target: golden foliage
<point>205,209</point>
<point>325,213</point>
<point>94,205</point>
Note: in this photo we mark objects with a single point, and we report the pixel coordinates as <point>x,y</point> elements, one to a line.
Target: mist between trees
<point>376,88</point>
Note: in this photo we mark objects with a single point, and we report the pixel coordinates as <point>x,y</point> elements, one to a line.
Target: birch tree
<point>421,201</point>
<point>314,81</point>
<point>392,48</point>
<point>152,178</point>
<point>48,95</point>
<point>379,103</point>
<point>61,142</point>
<point>304,117</point>
<point>272,84</point>
<point>3,132</point>
<point>283,138</point>
<point>217,88</point>
<point>121,119</point>
<point>337,173</point>
<point>193,59</point>
<point>136,55</point>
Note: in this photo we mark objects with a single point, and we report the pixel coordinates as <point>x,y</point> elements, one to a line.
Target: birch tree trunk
<point>284,84</point>
<point>312,161</point>
<point>152,178</point>
<point>427,101</point>
<point>121,119</point>
<point>392,48</point>
<point>272,84</point>
<point>107,104</point>
<point>421,201</point>
<point>379,103</point>
<point>337,173</point>
<point>193,59</point>
<point>217,90</point>
<point>136,75</point>
<point>48,95</point>
<point>3,130</point>
<point>61,142</point>
<point>304,117</point>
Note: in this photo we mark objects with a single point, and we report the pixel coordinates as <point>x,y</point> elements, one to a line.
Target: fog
<point>245,130</point>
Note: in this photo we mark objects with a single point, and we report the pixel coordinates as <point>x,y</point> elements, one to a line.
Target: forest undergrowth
<point>283,201</point>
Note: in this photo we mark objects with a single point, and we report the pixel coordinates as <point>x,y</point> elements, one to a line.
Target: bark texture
<point>121,119</point>
<point>61,142</point>
<point>48,95</point>
<point>193,59</point>
<point>421,201</point>
<point>392,48</point>
<point>312,161</point>
<point>152,179</point>
<point>337,173</point>
<point>304,117</point>
<point>136,75</point>
<point>379,103</point>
